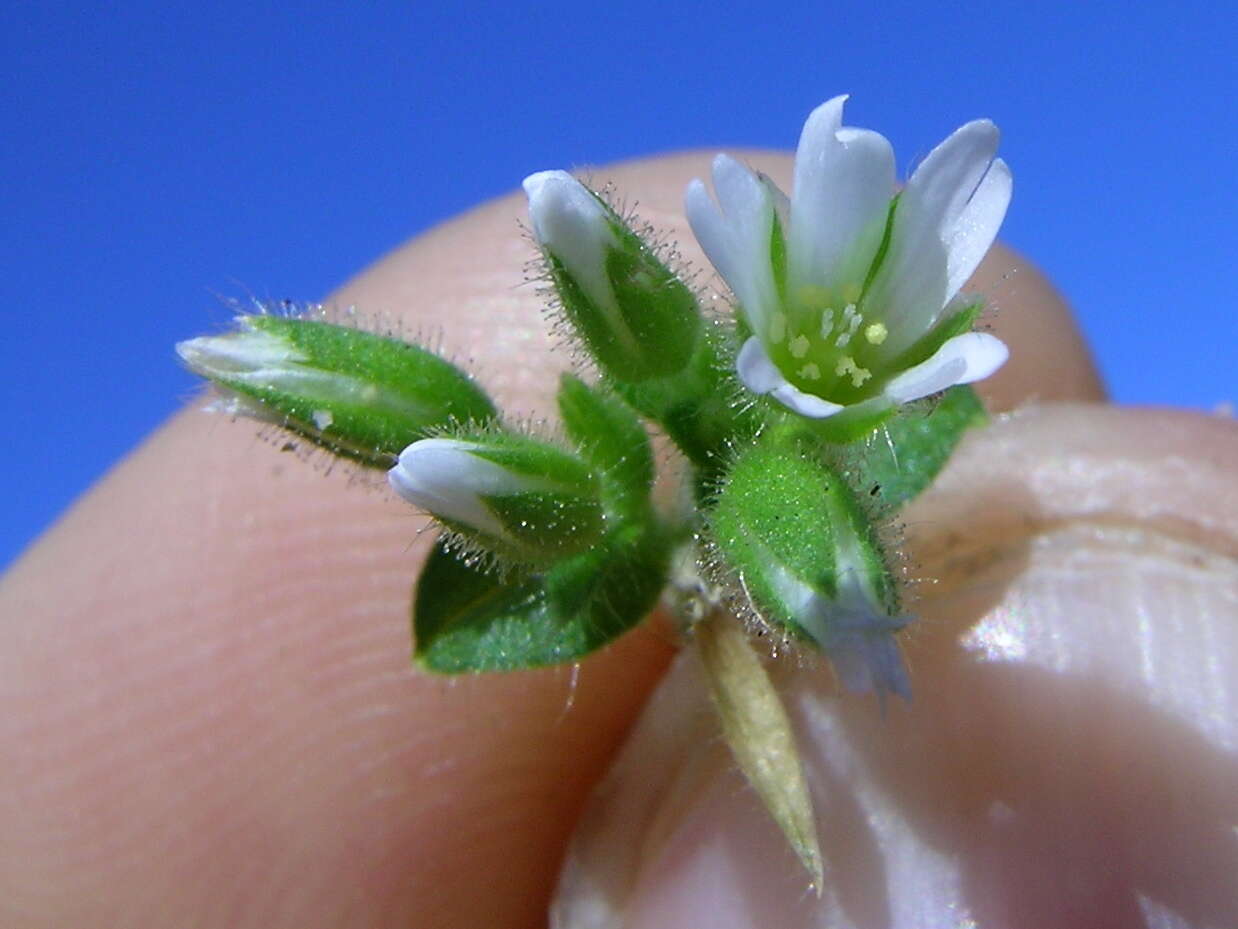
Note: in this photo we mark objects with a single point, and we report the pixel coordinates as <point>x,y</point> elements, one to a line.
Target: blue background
<point>156,156</point>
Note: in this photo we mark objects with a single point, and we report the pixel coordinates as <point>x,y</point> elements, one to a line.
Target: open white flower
<point>851,288</point>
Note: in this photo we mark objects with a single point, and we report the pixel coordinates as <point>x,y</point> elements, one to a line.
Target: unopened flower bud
<point>360,395</point>
<point>514,496</point>
<point>808,560</point>
<point>633,314</point>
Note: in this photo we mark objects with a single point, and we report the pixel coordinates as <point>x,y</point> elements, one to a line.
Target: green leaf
<point>899,461</point>
<point>612,440</point>
<point>466,618</point>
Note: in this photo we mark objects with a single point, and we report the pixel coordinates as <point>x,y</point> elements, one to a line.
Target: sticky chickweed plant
<point>829,398</point>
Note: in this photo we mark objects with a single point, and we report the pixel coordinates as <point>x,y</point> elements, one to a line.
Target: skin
<point>207,714</point>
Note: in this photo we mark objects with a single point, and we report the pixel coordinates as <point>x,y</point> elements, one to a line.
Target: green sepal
<point>545,501</point>
<point>359,395</point>
<point>612,440</point>
<point>790,527</point>
<point>957,323</point>
<point>898,462</point>
<point>468,619</point>
<point>652,328</point>
<point>701,408</point>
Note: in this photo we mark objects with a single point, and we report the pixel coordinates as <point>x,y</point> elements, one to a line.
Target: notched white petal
<point>944,182</point>
<point>973,233</point>
<point>963,359</point>
<point>735,234</point>
<point>844,179</point>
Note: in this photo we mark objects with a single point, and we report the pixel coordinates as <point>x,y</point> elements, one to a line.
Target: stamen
<point>842,340</point>
<point>799,346</point>
<point>876,333</point>
<point>827,322</point>
<point>810,372</point>
<point>847,365</point>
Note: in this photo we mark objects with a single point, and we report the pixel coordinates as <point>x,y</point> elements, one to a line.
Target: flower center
<point>823,341</point>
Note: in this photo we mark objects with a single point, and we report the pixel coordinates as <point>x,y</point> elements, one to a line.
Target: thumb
<point>1069,758</point>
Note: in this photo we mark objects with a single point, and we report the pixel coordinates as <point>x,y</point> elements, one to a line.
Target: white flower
<point>851,289</point>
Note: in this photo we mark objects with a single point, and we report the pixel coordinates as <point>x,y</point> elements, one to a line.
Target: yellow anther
<point>847,365</point>
<point>810,372</point>
<point>777,327</point>
<point>876,333</point>
<point>799,346</point>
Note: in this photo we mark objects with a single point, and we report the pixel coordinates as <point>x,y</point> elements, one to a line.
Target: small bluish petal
<point>844,179</point>
<point>962,360</point>
<point>867,661</point>
<point>760,375</point>
<point>976,228</point>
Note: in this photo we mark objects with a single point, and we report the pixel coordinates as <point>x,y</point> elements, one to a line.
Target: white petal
<point>781,202</point>
<point>976,228</point>
<point>443,477</point>
<point>945,181</point>
<point>915,281</point>
<point>844,179</point>
<point>755,370</point>
<point>737,237</point>
<point>808,405</point>
<point>760,375</point>
<point>573,226</point>
<point>961,360</point>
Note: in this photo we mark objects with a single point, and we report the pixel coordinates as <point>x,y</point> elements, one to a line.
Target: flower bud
<point>633,314</point>
<point>360,395</point>
<point>808,561</point>
<point>513,496</point>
